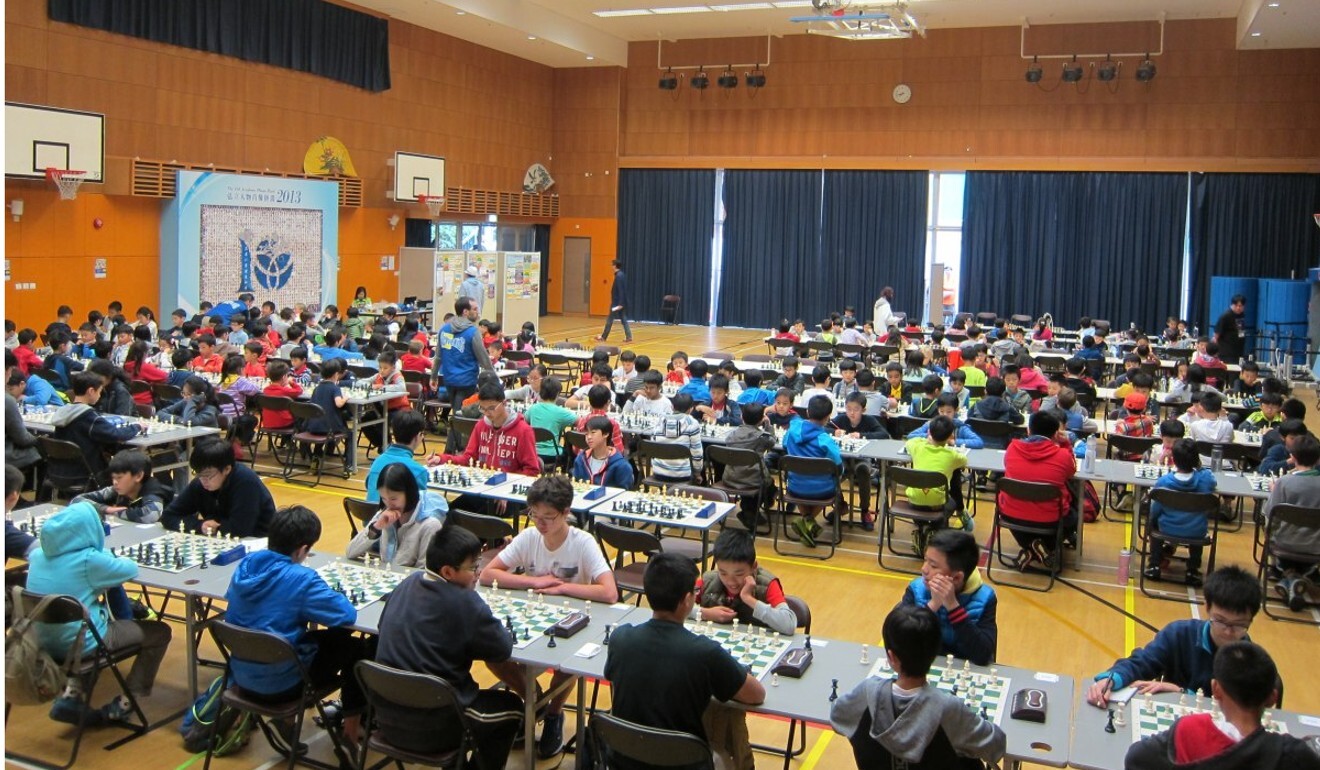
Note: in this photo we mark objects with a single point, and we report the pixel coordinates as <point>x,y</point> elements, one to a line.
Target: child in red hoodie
<point>414,360</point>
<point>1044,456</point>
<point>501,439</point>
<point>254,359</point>
<point>280,385</point>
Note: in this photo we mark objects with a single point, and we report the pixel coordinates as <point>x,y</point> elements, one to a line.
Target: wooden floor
<point>1075,631</point>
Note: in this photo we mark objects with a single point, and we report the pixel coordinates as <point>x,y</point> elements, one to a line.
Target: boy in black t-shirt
<point>664,675</point>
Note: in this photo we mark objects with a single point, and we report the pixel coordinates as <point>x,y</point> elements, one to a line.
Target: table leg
<point>580,730</point>
<point>191,612</point>
<point>529,718</point>
<point>1079,503</point>
<point>350,451</point>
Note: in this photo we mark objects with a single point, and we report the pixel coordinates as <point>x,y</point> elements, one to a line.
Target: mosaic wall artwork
<point>274,253</point>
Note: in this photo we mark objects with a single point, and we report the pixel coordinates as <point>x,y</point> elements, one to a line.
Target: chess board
<point>360,583</point>
<point>33,525</point>
<point>1148,471</point>
<point>155,427</point>
<point>640,422</point>
<point>460,476</point>
<point>754,647</point>
<point>1153,716</point>
<point>1261,483</point>
<point>177,551</point>
<point>985,693</point>
<point>852,445</point>
<point>659,507</point>
<point>710,430</point>
<point>529,614</point>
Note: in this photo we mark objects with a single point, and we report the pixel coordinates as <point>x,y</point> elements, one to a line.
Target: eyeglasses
<point>1236,628</point>
<point>210,475</point>
<point>489,408</point>
<point>546,518</point>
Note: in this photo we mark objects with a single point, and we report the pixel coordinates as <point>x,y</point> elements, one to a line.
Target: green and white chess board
<point>1154,716</point>
<point>530,614</point>
<point>362,584</point>
<point>985,693</point>
<point>177,551</point>
<point>755,647</point>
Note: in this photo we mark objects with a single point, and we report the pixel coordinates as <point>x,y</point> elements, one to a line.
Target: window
<point>944,219</point>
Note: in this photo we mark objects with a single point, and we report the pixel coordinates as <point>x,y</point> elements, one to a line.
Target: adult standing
<point>618,302</point>
<point>473,287</point>
<point>462,356</point>
<point>1228,330</point>
<point>883,314</point>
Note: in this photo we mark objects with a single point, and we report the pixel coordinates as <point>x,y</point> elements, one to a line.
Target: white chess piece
<point>1119,719</point>
<point>774,680</point>
<point>866,654</point>
<point>495,586</point>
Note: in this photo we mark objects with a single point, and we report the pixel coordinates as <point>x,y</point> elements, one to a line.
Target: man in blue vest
<point>462,355</point>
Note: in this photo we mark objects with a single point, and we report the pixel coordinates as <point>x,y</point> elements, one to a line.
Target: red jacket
<point>28,360</point>
<point>279,418</point>
<point>150,374</point>
<point>254,369</point>
<point>213,364</point>
<point>410,362</point>
<point>1031,379</point>
<point>510,447</point>
<point>1042,460</point>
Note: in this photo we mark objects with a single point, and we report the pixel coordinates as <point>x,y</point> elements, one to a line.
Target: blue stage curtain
<point>873,235</point>
<point>666,222</point>
<point>772,264</point>
<point>1252,225</point>
<point>1105,245</point>
<point>312,36</point>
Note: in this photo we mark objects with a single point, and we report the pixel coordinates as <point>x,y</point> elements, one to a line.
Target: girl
<point>115,395</point>
<point>331,399</point>
<point>526,339</point>
<point>360,298</point>
<point>401,532</point>
<point>197,407</point>
<point>138,366</point>
<point>146,317</point>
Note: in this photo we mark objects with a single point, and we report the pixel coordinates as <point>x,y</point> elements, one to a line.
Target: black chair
<point>1293,516</point>
<point>1035,492</point>
<point>986,319</point>
<point>263,647</point>
<point>898,508</point>
<point>53,377</point>
<point>558,364</point>
<point>545,434</point>
<point>783,347</point>
<point>790,752</point>
<point>462,428</point>
<point>1124,447</point>
<point>649,450</point>
<point>518,359</point>
<point>67,470</point>
<point>165,394</point>
<point>489,529</point>
<point>85,666</point>
<point>882,353</point>
<point>732,457</point>
<point>651,746</point>
<point>669,308</point>
<point>575,441</point>
<point>1205,504</point>
<point>809,466</point>
<point>276,438</point>
<point>904,424</point>
<point>628,542</point>
<point>317,444</point>
<point>855,352</point>
<point>359,512</point>
<point>391,688</point>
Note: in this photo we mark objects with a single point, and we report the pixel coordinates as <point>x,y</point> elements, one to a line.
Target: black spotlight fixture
<point>1107,71</point>
<point>1072,71</point>
<point>1034,72</point>
<point>729,79</point>
<point>669,81</point>
<point>755,79</point>
<point>1146,70</point>
<point>700,81</point>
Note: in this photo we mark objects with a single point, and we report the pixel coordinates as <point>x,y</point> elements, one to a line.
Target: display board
<point>512,281</point>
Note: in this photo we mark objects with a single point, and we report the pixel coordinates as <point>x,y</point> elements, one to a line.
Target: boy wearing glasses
<point>225,497</point>
<point>1180,656</point>
<point>501,439</point>
<point>555,559</point>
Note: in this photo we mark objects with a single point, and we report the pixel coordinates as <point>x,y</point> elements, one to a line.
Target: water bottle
<point>387,547</point>
<point>1217,459</point>
<point>1124,565</point>
<point>1196,332</point>
<point>1088,460</point>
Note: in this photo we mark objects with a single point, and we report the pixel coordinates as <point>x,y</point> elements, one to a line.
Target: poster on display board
<point>522,274</point>
<point>449,266</point>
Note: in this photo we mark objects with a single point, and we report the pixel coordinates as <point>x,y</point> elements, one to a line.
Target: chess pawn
<point>1119,719</point>
<point>587,608</point>
<point>866,654</point>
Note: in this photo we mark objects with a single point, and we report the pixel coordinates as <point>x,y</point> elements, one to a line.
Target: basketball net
<point>434,203</point>
<point>67,181</point>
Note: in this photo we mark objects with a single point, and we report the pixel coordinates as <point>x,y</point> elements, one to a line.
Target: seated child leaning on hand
<point>951,587</point>
<point>739,589</point>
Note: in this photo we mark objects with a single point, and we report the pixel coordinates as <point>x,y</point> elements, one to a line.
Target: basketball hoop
<point>67,181</point>
<point>433,204</point>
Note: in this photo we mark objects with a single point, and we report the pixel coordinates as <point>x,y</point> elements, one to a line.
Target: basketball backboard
<point>416,175</point>
<point>38,138</point>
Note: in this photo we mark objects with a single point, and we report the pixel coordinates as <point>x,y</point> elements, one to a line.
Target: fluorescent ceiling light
<point>743,7</point>
<point>792,3</point>
<point>682,9</point>
<point>628,12</point>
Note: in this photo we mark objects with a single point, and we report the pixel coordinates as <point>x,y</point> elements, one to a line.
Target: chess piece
<point>967,666</point>
<point>834,690</point>
<point>552,642</point>
<point>808,645</point>
<point>866,654</point>
<point>1109,726</point>
<point>587,609</point>
<point>948,661</point>
<point>774,680</point>
<point>606,641</point>
<point>495,586</point>
<point>1119,718</point>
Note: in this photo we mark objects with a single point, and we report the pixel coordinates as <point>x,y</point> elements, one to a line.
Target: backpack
<point>232,728</point>
<point>31,675</point>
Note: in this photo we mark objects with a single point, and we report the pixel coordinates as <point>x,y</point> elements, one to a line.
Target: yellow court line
<point>313,490</point>
<point>1129,595</point>
<point>828,568</point>
<point>817,750</point>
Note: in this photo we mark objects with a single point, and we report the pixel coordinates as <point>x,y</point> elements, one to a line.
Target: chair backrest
<point>360,372</point>
<point>649,745</point>
<point>463,426</point>
<point>722,355</point>
<point>421,378</point>
<point>553,359</point>
<point>253,646</point>
<point>545,434</point>
<point>359,512</point>
<point>274,403</point>
<point>576,439</point>
<point>62,608</point>
<point>517,356</point>
<point>760,358</point>
<point>163,391</point>
<point>901,477</point>
<point>1029,491</point>
<point>994,428</point>
<point>627,540</point>
<point>1189,502</point>
<point>305,410</point>
<point>801,609</point>
<point>783,346</point>
<point>906,423</point>
<point>809,466</point>
<point>145,411</point>
<point>703,493</point>
<point>663,450</point>
<point>483,526</point>
<point>382,684</point>
<point>1129,444</point>
<point>670,301</point>
<point>138,387</point>
<point>734,457</point>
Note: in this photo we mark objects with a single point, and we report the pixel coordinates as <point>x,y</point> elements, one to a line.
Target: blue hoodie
<point>808,439</point>
<point>962,435</point>
<point>41,393</point>
<point>270,593</point>
<point>1182,523</point>
<point>617,473</point>
<point>73,560</point>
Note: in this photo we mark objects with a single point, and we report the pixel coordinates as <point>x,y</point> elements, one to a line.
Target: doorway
<point>577,276</point>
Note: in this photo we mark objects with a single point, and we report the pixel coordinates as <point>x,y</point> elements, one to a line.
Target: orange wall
<point>604,235</point>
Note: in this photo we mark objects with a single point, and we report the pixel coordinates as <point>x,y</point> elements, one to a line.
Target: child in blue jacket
<point>1188,476</point>
<point>947,406</point>
<point>601,464</point>
<point>811,438</point>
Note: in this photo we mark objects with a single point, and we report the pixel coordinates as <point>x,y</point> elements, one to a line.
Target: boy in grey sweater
<point>1301,487</point>
<point>906,719</point>
<point>751,434</point>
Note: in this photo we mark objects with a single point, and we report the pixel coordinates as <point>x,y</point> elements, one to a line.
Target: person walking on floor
<point>618,292</point>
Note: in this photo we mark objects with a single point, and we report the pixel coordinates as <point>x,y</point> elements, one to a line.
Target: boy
<point>93,432</point>
<point>696,386</point>
<point>894,389</point>
<point>600,375</point>
<point>663,675</point>
<point>753,482</point>
<point>994,406</point>
<point>650,399</point>
<point>63,365</point>
<point>223,498</point>
<point>1278,459</point>
<point>238,336</point>
<point>820,381</point>
<point>1180,656</point>
<point>1302,488</point>
<point>1268,417</point>
<point>782,414</point>
<point>678,363</point>
<point>599,400</point>
<point>947,406</point>
<point>951,587</point>
<point>406,429</point>
<point>926,405</point>
<point>641,366</point>
<point>273,591</point>
<point>87,338</point>
<point>28,360</point>
<point>957,388</point>
<point>1244,686</point>
<point>811,438</point>
<point>134,494</point>
<point>752,392</point>
<point>253,366</point>
<point>1248,385</point>
<point>624,372</point>
<point>280,385</point>
<point>790,378</point>
<point>935,452</point>
<point>1205,420</point>
<point>847,384</point>
<point>721,410</point>
<point>683,429</point>
<point>207,360</point>
<point>554,559</point>
<point>1044,456</point>
<point>851,335</point>
<point>1075,376</point>
<point>1188,476</point>
<point>435,623</point>
<point>975,372</point>
<point>903,720</point>
<point>546,413</point>
<point>827,332</point>
<point>299,372</point>
<point>502,439</point>
<point>602,464</point>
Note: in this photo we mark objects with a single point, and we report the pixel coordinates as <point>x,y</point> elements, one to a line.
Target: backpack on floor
<point>31,675</point>
<point>232,728</point>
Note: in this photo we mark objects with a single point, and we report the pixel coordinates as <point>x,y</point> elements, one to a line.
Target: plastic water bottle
<point>1124,565</point>
<point>1217,459</point>
<point>1088,460</point>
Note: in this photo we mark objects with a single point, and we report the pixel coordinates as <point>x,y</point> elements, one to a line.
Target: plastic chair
<point>1026,491</point>
<point>463,427</point>
<point>165,394</point>
<point>733,457</point>
<point>274,436</point>
<point>67,470</point>
<point>408,691</point>
<point>266,648</point>
<point>809,466</point>
<point>722,355</point>
<point>669,308</point>
<point>87,667</point>
<point>359,512</point>
<point>629,542</point>
<point>302,413</point>
<point>1123,447</point>
<point>898,508</point>
<point>1191,502</point>
<point>649,450</point>
<point>904,424</point>
<point>651,746</point>
<point>1293,516</point>
<point>545,434</point>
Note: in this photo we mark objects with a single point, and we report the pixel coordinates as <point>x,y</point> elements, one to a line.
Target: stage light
<point>1107,70</point>
<point>1072,71</point>
<point>700,81</point>
<point>728,80</point>
<point>668,81</point>
<point>1146,71</point>
<point>755,79</point>
<point>1034,72</point>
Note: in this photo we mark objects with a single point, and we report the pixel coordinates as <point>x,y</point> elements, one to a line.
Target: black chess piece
<point>205,562</point>
<point>508,623</point>
<point>1109,726</point>
<point>834,690</point>
<point>984,714</point>
<point>527,634</point>
<point>606,643</point>
<point>552,642</point>
<point>808,646</point>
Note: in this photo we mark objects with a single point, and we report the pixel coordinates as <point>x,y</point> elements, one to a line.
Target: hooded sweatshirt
<point>1197,741</point>
<point>616,473</point>
<point>1182,523</point>
<point>1041,459</point>
<point>73,560</point>
<point>146,508</point>
<point>510,447</point>
<point>907,733</point>
<point>808,439</point>
<point>270,593</point>
<point>92,431</point>
<point>461,354</point>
